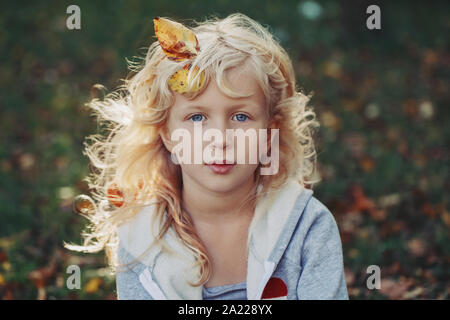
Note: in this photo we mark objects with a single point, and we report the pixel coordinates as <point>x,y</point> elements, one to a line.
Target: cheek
<point>244,172</point>
<point>194,171</point>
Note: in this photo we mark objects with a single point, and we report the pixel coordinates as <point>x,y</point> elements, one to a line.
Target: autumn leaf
<point>395,289</point>
<point>360,202</point>
<point>378,215</point>
<point>416,246</point>
<point>330,120</point>
<point>446,217</point>
<point>114,195</point>
<point>93,285</point>
<point>41,276</point>
<point>84,204</point>
<point>349,276</point>
<point>410,108</point>
<point>3,256</point>
<point>6,266</point>
<point>429,210</point>
<point>392,228</point>
<point>332,69</point>
<point>178,42</point>
<point>179,81</point>
<point>414,293</point>
<point>367,164</point>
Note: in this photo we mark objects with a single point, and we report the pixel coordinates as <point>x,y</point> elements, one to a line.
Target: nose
<point>227,137</point>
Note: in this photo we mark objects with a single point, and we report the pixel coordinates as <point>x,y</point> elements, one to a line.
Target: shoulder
<point>313,224</point>
<point>317,225</point>
<point>320,225</point>
<point>316,212</point>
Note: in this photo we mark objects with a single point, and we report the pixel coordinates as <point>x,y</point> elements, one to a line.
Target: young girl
<point>199,222</point>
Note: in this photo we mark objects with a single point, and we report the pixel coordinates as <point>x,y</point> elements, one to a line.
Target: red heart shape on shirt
<point>275,288</point>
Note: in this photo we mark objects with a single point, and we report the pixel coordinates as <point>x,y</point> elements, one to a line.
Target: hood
<point>274,222</point>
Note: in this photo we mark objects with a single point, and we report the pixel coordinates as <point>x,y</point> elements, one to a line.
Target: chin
<point>220,183</point>
<point>226,182</point>
<point>223,183</point>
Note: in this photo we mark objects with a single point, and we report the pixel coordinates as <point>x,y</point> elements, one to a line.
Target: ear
<point>165,137</point>
<point>274,124</point>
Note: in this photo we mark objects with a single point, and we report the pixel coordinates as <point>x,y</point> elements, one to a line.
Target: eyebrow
<point>233,107</point>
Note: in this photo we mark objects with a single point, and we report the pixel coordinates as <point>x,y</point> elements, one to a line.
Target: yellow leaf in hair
<point>178,82</point>
<point>178,42</point>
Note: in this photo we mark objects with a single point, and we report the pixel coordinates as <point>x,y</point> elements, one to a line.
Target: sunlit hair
<point>132,154</point>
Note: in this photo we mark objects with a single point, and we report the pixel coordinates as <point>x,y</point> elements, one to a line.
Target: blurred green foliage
<point>381,97</point>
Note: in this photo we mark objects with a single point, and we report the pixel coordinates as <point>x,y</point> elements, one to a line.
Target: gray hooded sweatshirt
<point>295,253</point>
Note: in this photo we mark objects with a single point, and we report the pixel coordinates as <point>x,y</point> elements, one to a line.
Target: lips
<point>220,168</point>
<point>220,162</point>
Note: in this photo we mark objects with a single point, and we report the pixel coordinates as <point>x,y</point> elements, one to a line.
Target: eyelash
<point>198,114</point>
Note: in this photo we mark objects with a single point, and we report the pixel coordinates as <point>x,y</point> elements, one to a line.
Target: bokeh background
<point>381,96</point>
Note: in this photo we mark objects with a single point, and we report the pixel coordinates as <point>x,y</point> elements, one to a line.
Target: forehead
<point>240,80</point>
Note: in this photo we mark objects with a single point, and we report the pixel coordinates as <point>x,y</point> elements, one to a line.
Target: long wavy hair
<point>130,155</point>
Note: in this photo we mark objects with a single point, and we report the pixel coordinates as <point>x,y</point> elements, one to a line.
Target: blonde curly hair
<point>133,158</point>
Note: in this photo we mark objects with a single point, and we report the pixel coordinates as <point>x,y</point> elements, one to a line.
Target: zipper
<point>151,286</point>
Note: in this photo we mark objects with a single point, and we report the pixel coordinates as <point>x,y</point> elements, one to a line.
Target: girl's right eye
<point>196,117</point>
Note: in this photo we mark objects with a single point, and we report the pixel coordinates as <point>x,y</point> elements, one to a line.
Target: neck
<point>211,207</point>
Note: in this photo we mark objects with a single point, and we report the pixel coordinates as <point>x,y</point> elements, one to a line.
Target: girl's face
<point>214,109</point>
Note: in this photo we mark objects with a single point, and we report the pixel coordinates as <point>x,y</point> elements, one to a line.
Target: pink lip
<point>220,168</point>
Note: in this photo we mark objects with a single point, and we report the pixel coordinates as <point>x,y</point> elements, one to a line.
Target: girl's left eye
<point>241,117</point>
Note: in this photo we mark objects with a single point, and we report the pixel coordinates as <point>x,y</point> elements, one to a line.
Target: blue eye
<point>241,117</point>
<point>197,117</point>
